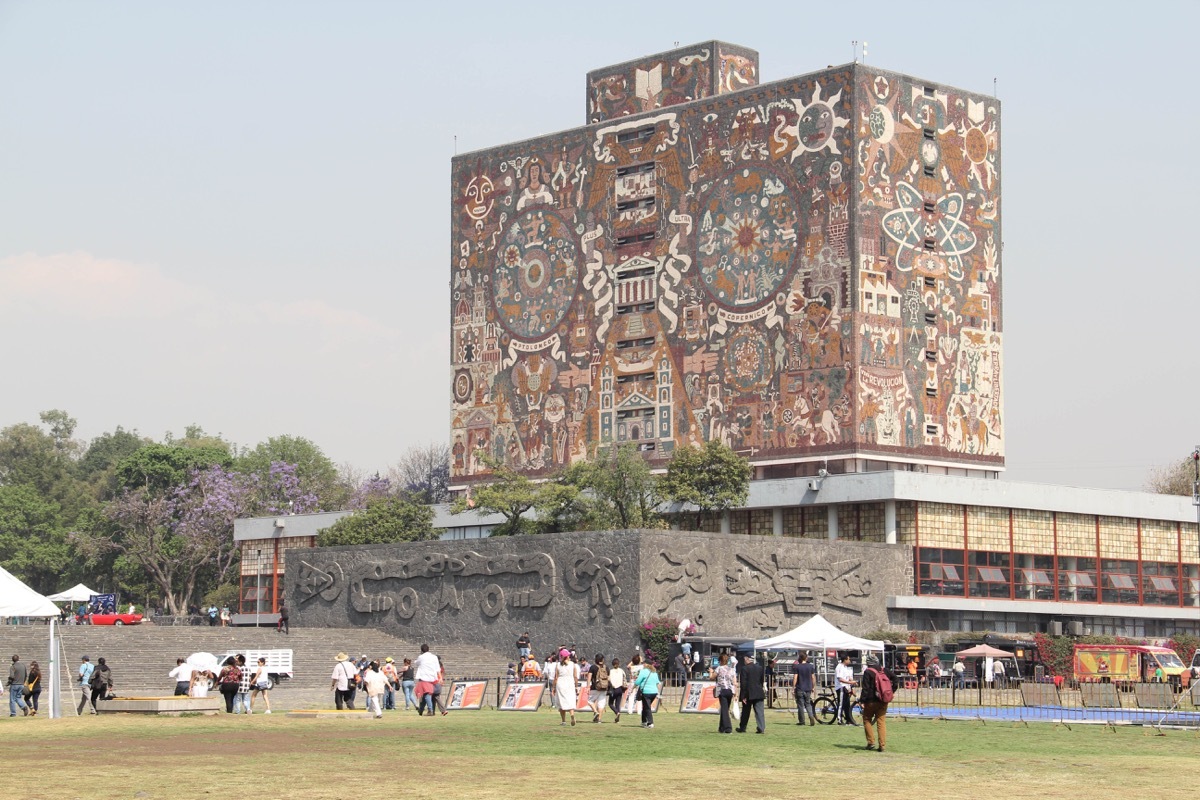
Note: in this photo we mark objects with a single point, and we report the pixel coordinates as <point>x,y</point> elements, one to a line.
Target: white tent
<point>817,634</point>
<point>76,594</point>
<point>18,600</point>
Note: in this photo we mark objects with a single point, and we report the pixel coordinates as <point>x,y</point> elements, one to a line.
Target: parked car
<point>114,619</point>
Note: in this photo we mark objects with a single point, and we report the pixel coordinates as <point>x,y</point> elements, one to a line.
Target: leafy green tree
<point>107,450</point>
<point>317,475</point>
<point>160,467</point>
<point>712,478</point>
<point>31,456</point>
<point>33,545</point>
<point>625,490</point>
<point>512,495</point>
<point>385,520</point>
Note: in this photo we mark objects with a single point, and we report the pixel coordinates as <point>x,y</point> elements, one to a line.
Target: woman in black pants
<point>230,680</point>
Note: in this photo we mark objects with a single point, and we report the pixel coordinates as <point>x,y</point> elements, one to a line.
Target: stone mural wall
<point>593,589</point>
<point>797,269</point>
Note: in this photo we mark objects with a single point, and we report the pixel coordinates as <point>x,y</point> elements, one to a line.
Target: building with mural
<point>807,270</point>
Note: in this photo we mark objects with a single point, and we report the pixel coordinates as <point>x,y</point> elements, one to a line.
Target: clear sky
<point>237,213</point>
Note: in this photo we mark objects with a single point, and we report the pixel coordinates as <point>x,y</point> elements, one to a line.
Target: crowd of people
<point>384,681</point>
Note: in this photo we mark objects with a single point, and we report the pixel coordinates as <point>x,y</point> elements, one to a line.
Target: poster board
<point>522,697</point>
<point>467,695</point>
<point>699,698</point>
<point>583,692</point>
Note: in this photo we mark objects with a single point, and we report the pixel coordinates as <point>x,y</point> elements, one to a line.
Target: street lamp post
<point>257,587</point>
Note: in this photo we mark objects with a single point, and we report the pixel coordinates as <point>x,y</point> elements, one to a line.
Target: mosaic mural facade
<point>800,270</point>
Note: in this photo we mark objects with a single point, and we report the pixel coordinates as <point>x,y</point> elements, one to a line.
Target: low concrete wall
<point>593,589</point>
<point>166,706</point>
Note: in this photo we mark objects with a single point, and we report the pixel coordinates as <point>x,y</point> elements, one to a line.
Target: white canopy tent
<point>18,600</point>
<point>76,594</point>
<point>817,634</point>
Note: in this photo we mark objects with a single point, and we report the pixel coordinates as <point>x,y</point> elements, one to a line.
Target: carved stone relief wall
<point>593,589</point>
<point>762,585</point>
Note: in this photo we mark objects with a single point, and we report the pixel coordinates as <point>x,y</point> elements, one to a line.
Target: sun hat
<point>341,657</point>
<point>389,659</point>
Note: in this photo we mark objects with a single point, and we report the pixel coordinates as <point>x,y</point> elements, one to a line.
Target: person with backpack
<point>598,696</point>
<point>877,690</point>
<point>101,682</point>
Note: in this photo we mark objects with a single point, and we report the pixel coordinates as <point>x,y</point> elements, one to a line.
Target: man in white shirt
<point>183,677</point>
<point>427,671</point>
<point>342,684</point>
<point>845,683</point>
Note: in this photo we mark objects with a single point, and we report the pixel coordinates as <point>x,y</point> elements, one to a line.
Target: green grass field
<point>490,754</point>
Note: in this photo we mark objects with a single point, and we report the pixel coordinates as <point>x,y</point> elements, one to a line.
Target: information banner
<point>522,697</point>
<point>699,697</point>
<point>467,695</point>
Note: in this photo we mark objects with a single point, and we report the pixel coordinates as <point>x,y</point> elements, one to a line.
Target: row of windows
<point>1026,576</point>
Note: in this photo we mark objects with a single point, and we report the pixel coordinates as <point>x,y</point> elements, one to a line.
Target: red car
<point>115,619</point>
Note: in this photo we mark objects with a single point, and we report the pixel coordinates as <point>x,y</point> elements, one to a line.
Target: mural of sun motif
<point>818,123</point>
<point>536,274</point>
<point>748,231</point>
<point>914,223</point>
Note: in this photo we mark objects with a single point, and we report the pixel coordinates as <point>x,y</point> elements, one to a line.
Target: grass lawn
<point>490,754</point>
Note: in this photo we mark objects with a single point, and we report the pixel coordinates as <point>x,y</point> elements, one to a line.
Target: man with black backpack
<point>878,688</point>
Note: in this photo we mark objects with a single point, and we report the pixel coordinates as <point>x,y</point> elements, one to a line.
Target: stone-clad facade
<point>806,270</point>
<point>593,589</point>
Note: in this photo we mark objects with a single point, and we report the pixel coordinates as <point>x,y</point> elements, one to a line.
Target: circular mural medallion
<point>463,386</point>
<point>536,274</point>
<point>748,360</point>
<point>749,230</point>
<point>976,145</point>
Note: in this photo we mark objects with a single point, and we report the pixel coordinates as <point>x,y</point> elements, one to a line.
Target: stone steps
<point>142,656</point>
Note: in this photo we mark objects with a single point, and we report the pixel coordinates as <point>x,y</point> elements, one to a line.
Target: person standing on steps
<point>524,647</point>
<point>281,625</point>
<point>752,695</point>
<point>86,668</point>
<point>17,675</point>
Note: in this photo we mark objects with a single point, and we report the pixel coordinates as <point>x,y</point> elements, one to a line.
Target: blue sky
<point>237,213</point>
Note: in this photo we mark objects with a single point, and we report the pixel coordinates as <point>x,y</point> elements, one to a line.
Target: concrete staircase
<point>141,656</point>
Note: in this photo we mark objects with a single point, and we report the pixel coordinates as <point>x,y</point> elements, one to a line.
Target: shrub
<point>657,635</point>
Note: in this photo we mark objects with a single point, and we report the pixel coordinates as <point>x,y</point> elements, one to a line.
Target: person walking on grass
<point>229,681</point>
<point>85,685</point>
<point>566,685</point>
<point>261,685</point>
<point>802,688</point>
<point>33,687</point>
<point>17,674</point>
<point>845,683</point>
<point>616,688</point>
<point>725,675</point>
<point>647,686</point>
<point>876,686</point>
<point>374,682</point>
<point>598,686</point>
<point>408,681</point>
<point>393,683</point>
<point>752,695</point>
<point>102,682</point>
<point>341,682</point>
<point>241,703</point>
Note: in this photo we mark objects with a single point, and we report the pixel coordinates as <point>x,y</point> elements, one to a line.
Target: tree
<point>33,546</point>
<point>107,450</point>
<point>424,471</point>
<point>159,468</point>
<point>625,491</point>
<point>30,456</point>
<point>385,520</point>
<point>712,478</point>
<point>1174,479</point>
<point>314,472</point>
<point>512,495</point>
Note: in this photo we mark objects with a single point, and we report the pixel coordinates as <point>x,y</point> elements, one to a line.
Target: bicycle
<point>826,707</point>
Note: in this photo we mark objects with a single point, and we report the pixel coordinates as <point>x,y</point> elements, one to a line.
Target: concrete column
<point>831,513</point>
<point>889,521</point>
<point>777,521</point>
<point>725,522</point>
